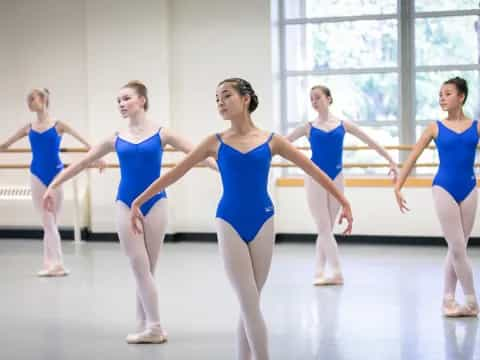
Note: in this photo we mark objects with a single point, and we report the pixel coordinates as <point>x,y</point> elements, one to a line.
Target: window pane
<point>384,135</point>
<point>366,97</point>
<point>428,156</point>
<point>443,5</point>
<point>428,85</point>
<point>352,44</point>
<point>447,41</point>
<point>331,8</point>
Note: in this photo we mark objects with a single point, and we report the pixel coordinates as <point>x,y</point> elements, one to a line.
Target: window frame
<point>406,68</point>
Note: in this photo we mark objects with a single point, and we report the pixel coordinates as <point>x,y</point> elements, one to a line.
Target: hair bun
<point>461,85</point>
<point>243,87</point>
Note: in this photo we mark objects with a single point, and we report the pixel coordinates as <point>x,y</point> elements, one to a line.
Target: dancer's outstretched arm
<point>428,134</point>
<point>93,155</point>
<point>284,148</point>
<point>67,129</point>
<point>19,134</point>
<point>180,143</point>
<point>198,154</point>
<point>298,132</point>
<point>358,132</point>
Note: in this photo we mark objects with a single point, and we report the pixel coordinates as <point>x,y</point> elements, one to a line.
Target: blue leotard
<point>327,149</point>
<point>140,166</point>
<point>245,203</point>
<point>457,156</point>
<point>46,163</point>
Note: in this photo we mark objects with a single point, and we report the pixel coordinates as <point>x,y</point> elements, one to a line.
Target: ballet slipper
<point>57,270</point>
<point>468,310</point>
<point>149,336</point>
<point>450,307</point>
<point>329,281</point>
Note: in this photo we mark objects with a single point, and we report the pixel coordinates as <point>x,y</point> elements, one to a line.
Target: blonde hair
<point>44,94</point>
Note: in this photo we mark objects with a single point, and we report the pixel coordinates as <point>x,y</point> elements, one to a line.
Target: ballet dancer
<point>139,149</point>
<point>326,134</point>
<point>454,190</point>
<point>45,136</point>
<point>245,212</point>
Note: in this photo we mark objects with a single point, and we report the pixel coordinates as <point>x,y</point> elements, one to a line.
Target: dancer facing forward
<point>140,151</point>
<point>326,134</point>
<point>245,211</point>
<point>45,136</point>
<point>454,190</point>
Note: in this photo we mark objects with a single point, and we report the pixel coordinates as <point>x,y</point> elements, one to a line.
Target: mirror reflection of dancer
<point>454,190</point>
<point>325,135</point>
<point>45,136</point>
<point>245,211</point>
<point>140,151</point>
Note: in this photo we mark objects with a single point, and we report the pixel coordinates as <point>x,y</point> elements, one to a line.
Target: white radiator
<point>17,208</point>
<point>12,192</point>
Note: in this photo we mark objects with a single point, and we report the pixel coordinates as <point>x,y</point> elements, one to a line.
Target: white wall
<point>124,41</point>
<point>374,209</point>
<point>43,45</point>
<point>85,50</point>
<point>210,41</point>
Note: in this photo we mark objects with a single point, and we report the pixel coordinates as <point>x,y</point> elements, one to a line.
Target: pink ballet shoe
<point>148,336</point>
<point>450,307</point>
<point>57,270</point>
<point>467,310</point>
<point>328,281</point>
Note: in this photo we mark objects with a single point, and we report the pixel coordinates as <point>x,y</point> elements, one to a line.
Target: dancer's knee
<point>140,267</point>
<point>458,252</point>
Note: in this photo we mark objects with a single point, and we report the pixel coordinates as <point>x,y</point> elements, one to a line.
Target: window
<point>384,61</point>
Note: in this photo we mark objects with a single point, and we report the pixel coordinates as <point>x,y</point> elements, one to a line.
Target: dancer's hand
<point>48,200</point>
<point>393,172</point>
<point>402,203</point>
<point>346,214</point>
<point>100,164</point>
<point>136,219</point>
<point>210,163</point>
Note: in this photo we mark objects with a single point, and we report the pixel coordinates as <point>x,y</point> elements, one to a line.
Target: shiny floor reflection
<point>389,307</point>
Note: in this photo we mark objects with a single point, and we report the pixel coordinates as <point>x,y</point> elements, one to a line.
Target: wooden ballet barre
<point>305,148</point>
<point>387,147</point>
<point>109,166</point>
<point>66,150</point>
<point>276,165</point>
<point>62,150</point>
<point>363,166</point>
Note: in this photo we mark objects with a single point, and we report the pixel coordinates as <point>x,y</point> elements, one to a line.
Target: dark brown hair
<point>460,84</point>
<point>243,87</point>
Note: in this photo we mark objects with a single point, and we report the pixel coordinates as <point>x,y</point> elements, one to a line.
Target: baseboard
<point>177,237</point>
<point>87,235</point>
<point>374,239</point>
<point>67,234</point>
